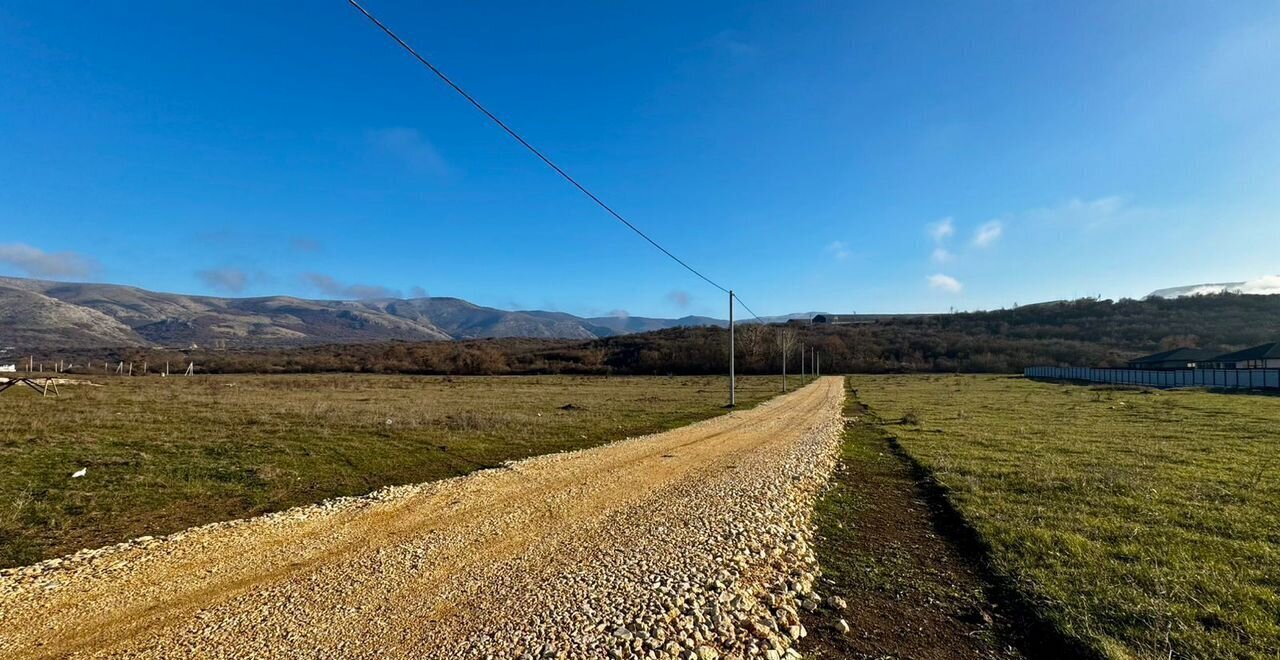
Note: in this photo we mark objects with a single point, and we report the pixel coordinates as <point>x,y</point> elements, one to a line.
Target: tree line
<point>1084,332</point>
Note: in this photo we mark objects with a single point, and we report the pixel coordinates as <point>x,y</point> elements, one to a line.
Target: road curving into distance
<point>691,543</point>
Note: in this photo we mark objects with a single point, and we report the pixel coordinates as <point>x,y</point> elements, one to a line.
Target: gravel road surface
<point>692,543</point>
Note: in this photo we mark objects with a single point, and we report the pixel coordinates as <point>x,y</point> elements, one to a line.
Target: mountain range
<point>45,314</point>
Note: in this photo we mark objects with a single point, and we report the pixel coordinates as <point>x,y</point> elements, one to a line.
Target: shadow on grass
<point>1034,635</point>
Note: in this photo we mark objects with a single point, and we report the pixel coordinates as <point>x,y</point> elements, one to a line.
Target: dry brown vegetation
<point>166,453</point>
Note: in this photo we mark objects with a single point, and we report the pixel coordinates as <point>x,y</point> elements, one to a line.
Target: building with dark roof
<point>1265,356</point>
<point>1178,358</point>
<point>838,319</point>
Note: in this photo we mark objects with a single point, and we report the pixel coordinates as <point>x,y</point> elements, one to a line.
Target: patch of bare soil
<point>911,592</point>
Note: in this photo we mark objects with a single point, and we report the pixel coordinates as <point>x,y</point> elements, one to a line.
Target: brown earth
<point>912,590</point>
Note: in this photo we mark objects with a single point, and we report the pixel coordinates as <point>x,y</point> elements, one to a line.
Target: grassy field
<point>1144,523</point>
<point>165,454</point>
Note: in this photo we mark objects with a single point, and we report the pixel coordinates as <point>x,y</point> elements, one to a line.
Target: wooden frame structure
<point>43,388</point>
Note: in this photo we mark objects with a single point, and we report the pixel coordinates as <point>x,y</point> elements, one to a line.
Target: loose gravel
<point>692,544</point>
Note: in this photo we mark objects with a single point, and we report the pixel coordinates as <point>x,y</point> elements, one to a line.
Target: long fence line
<point>1224,378</point>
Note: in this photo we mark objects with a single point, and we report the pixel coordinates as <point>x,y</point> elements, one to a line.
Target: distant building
<point>837,319</point>
<point>1178,358</point>
<point>1265,356</point>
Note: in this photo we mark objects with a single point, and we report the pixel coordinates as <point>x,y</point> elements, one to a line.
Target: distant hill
<point>1086,332</point>
<point>43,314</point>
<point>1262,286</point>
<point>625,325</point>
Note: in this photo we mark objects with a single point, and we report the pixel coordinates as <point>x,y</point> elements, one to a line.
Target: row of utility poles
<point>121,369</point>
<point>785,341</point>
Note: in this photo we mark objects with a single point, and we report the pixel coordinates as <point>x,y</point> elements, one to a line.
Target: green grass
<point>166,454</point>
<point>1146,524</point>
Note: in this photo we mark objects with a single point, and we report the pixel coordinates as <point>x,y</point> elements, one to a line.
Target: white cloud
<point>408,146</point>
<point>304,244</point>
<point>230,280</point>
<point>35,262</point>
<point>731,44</point>
<point>941,255</point>
<point>838,249</point>
<point>1087,213</point>
<point>1268,285</point>
<point>942,229</point>
<point>333,288</point>
<point>945,283</point>
<point>988,233</point>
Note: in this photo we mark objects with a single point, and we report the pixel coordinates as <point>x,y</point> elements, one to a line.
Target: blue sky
<point>841,156</point>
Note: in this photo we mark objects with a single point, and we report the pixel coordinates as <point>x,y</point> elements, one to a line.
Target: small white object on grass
<point>79,473</point>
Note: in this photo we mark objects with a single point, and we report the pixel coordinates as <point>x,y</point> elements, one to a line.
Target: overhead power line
<point>744,306</point>
<point>525,143</point>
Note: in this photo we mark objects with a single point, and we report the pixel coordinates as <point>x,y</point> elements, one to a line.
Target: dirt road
<point>692,541</point>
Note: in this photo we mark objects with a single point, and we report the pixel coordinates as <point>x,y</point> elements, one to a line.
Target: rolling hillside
<point>44,314</point>
<point>1084,332</point>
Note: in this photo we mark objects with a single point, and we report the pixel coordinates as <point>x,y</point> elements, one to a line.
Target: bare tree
<point>754,337</point>
<point>786,338</point>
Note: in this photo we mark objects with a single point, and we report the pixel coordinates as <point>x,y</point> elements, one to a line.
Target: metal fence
<point>1226,378</point>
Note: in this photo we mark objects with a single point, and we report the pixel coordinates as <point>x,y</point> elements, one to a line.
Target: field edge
<point>1039,635</point>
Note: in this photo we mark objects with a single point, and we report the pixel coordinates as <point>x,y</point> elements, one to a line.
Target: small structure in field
<point>1264,356</point>
<point>8,368</point>
<point>1178,358</point>
<point>40,385</point>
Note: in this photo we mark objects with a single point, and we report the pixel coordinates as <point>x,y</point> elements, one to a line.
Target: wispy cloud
<point>228,280</point>
<point>941,230</point>
<point>333,288</point>
<point>988,233</point>
<point>1267,285</point>
<point>945,283</point>
<point>1086,213</point>
<point>941,255</point>
<point>680,299</point>
<point>838,249</point>
<point>408,146</point>
<point>35,262</point>
<point>304,244</point>
<point>732,44</point>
